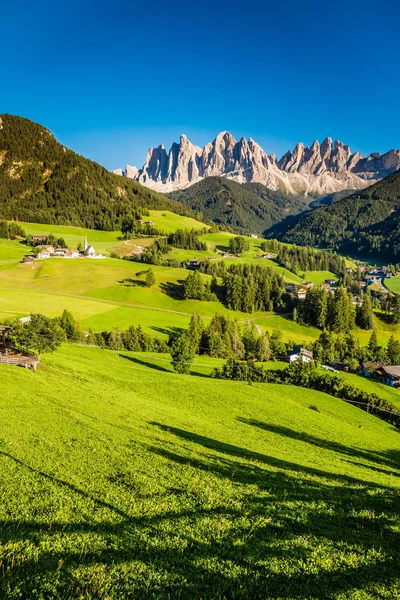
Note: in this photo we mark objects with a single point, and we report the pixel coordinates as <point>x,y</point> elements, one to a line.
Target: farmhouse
<point>302,354</point>
<point>43,254</point>
<point>71,254</point>
<point>302,293</point>
<point>390,375</point>
<point>370,368</point>
<point>27,260</point>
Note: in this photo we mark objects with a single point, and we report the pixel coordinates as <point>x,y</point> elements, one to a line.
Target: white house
<point>302,354</point>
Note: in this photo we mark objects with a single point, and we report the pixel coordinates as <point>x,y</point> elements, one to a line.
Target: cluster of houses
<point>49,251</point>
<point>300,291</point>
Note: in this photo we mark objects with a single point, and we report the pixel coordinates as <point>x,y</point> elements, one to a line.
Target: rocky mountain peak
<point>320,168</point>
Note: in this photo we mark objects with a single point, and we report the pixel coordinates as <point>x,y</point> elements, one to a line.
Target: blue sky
<point>111,79</point>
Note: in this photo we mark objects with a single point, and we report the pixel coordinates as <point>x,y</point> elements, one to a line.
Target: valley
<point>209,412</point>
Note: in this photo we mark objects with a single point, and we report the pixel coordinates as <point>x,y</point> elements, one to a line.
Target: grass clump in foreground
<point>120,479</point>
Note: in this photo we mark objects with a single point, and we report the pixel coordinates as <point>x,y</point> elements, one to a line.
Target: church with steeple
<point>88,250</point>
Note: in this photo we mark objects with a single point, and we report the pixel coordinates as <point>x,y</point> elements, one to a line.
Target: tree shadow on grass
<point>387,459</point>
<point>145,363</point>
<point>284,531</point>
<point>128,282</point>
<point>173,290</point>
<point>167,330</point>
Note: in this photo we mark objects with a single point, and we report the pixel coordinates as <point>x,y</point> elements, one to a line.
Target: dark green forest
<point>246,208</point>
<point>42,181</point>
<point>365,223</point>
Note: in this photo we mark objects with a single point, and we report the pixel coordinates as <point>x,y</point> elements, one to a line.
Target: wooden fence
<point>29,362</point>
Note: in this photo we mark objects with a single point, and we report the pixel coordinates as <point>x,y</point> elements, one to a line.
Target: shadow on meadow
<point>173,290</point>
<point>389,459</point>
<point>289,531</point>
<point>145,363</point>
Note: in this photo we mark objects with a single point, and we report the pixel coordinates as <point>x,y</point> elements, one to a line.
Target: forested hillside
<point>365,223</point>
<point>42,181</point>
<point>247,208</point>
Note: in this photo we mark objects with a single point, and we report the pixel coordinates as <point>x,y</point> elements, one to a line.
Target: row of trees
<point>304,258</point>
<point>249,288</point>
<point>10,230</point>
<point>246,288</point>
<point>43,334</point>
<point>335,312</point>
<point>187,239</point>
<point>49,240</point>
<point>223,338</point>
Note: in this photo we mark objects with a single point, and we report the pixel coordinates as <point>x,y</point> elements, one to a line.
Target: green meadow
<point>393,284</point>
<point>122,480</point>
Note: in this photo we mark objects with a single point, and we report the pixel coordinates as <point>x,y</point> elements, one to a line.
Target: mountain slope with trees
<point>247,208</point>
<point>42,181</point>
<point>365,223</point>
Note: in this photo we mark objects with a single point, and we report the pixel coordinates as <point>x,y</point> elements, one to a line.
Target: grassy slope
<point>169,221</point>
<point>131,482</point>
<point>393,284</point>
<point>105,241</point>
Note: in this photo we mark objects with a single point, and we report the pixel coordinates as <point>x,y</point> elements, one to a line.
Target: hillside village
<point>44,251</point>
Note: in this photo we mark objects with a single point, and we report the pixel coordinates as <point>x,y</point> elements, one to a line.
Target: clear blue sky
<point>111,79</point>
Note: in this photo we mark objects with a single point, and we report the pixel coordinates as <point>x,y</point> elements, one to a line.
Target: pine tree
<point>393,351</point>
<point>365,315</point>
<point>182,353</point>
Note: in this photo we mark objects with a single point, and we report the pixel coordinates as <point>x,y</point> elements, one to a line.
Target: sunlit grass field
<point>121,480</point>
<point>393,284</point>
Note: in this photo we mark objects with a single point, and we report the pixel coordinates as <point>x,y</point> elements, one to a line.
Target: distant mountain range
<point>317,170</point>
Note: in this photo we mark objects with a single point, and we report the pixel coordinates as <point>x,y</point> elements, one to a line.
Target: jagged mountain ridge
<point>319,169</point>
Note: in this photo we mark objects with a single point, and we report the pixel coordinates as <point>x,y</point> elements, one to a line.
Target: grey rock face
<point>324,168</point>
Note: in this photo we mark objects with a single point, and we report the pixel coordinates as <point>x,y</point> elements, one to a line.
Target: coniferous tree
<point>182,353</point>
<point>194,286</point>
<point>365,315</point>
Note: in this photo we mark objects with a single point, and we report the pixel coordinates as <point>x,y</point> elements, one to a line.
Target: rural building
<point>60,251</point>
<point>71,254</point>
<point>330,281</point>
<point>370,368</point>
<point>43,254</point>
<point>137,250</point>
<point>302,354</point>
<point>254,235</point>
<point>339,366</point>
<point>194,263</point>
<point>390,375</point>
<point>27,260</point>
<point>302,293</point>
<point>39,238</point>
